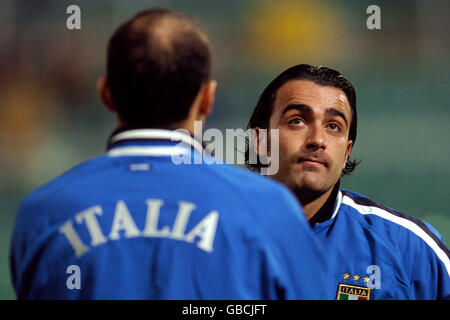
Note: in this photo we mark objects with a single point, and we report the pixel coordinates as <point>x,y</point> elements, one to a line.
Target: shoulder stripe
<point>368,202</point>
<point>367,206</point>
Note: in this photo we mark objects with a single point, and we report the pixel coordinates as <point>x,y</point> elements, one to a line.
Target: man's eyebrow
<point>299,107</point>
<point>308,110</point>
<point>335,112</point>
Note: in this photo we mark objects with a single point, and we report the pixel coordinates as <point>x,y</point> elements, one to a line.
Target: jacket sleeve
<point>296,256</point>
<point>430,267</point>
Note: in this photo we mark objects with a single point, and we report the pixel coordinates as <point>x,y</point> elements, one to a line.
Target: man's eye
<point>334,127</point>
<point>296,121</point>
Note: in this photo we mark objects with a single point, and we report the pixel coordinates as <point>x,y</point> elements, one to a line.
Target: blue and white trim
<point>338,204</point>
<point>404,222</point>
<point>148,150</point>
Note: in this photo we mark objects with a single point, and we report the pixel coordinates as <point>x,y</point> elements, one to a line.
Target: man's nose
<point>315,139</point>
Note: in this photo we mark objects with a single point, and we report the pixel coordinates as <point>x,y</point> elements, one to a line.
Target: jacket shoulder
<point>254,188</point>
<point>402,231</point>
<point>237,176</point>
<point>46,192</point>
<point>374,212</point>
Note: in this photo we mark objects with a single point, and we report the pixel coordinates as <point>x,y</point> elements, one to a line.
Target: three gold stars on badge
<point>356,277</point>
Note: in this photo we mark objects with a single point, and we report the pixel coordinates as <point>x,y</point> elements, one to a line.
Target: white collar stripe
<point>338,204</point>
<point>147,151</point>
<point>159,134</point>
<point>408,224</point>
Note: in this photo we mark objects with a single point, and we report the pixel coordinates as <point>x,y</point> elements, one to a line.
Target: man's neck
<point>319,208</point>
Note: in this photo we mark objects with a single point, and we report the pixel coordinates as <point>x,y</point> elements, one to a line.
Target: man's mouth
<point>311,161</point>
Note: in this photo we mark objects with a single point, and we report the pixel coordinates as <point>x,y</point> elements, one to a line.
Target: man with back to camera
<point>134,224</point>
<point>374,252</point>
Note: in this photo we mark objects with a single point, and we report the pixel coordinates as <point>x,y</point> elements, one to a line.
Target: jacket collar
<point>131,141</point>
<point>331,207</point>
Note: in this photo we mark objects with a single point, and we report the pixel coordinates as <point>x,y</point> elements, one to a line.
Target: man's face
<point>313,123</point>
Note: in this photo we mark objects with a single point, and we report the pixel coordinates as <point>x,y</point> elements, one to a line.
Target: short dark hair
<point>157,62</point>
<point>320,75</point>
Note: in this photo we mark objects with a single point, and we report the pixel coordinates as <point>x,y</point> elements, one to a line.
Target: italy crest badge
<point>348,292</point>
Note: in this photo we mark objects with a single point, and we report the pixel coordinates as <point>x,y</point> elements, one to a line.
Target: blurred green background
<point>51,117</point>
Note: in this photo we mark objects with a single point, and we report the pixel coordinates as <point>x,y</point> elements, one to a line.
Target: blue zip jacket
<point>375,252</point>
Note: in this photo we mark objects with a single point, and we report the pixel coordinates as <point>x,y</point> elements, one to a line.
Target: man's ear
<point>207,99</point>
<point>105,93</point>
<point>347,152</point>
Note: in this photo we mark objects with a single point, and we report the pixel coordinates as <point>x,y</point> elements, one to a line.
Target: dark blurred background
<point>52,119</point>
